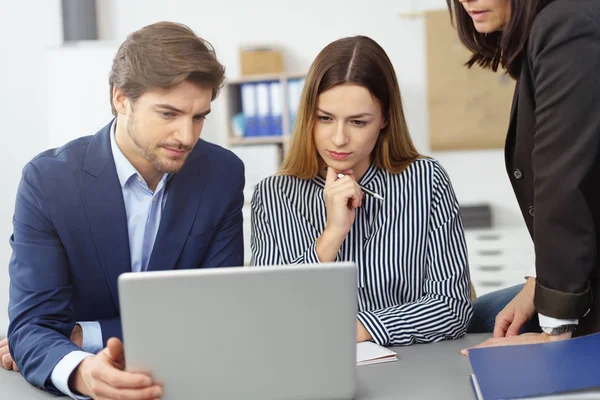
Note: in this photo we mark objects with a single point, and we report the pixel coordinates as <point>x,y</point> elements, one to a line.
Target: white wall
<point>27,29</point>
<point>86,102</point>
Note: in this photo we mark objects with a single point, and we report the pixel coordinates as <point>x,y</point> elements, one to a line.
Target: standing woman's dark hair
<point>501,48</point>
<point>552,49</point>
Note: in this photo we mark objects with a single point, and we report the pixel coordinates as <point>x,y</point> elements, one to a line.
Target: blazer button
<point>531,211</point>
<point>518,174</point>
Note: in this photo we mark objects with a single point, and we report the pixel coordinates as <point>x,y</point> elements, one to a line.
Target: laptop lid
<point>277,332</point>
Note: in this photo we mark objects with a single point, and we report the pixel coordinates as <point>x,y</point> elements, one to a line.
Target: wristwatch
<point>559,330</point>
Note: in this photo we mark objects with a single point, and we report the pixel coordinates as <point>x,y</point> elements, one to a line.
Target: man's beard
<point>159,164</point>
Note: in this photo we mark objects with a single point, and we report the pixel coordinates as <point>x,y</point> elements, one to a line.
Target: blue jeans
<point>486,307</point>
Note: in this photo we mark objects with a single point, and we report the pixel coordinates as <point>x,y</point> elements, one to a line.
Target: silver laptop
<point>253,333</point>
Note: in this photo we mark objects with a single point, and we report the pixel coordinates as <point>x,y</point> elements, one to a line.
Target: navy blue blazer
<point>70,241</point>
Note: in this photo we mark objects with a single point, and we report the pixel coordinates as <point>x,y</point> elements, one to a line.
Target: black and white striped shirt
<point>413,278</point>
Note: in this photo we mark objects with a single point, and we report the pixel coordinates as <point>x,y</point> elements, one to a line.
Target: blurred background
<point>55,58</point>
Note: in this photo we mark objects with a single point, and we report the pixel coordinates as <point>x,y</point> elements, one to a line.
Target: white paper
<point>372,353</point>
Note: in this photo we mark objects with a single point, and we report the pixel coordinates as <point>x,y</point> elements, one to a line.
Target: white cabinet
<point>499,258</point>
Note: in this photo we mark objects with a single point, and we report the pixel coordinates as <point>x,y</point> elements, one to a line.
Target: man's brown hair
<point>162,55</point>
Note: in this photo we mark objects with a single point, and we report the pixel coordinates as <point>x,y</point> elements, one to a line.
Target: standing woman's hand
<point>342,197</point>
<point>516,313</point>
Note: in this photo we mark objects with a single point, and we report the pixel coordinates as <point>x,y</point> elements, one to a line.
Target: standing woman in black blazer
<point>552,49</point>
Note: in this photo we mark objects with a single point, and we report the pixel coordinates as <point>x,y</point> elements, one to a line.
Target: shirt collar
<point>125,170</point>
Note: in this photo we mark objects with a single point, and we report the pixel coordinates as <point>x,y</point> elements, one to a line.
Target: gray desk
<point>424,371</point>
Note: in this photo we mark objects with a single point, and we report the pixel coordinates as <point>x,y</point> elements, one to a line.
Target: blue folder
<point>526,371</point>
<point>249,109</point>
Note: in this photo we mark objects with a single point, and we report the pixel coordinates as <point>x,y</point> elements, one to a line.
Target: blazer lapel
<point>105,208</point>
<point>185,192</point>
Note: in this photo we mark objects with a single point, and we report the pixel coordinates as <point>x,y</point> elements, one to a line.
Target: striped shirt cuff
<point>311,256</point>
<point>375,327</point>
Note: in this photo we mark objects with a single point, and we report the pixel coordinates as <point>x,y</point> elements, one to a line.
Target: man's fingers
<point>120,379</point>
<point>15,368</point>
<point>102,389</point>
<point>114,350</point>
<point>7,361</point>
<point>4,349</point>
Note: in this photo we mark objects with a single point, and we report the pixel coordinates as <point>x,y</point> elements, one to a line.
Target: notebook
<point>568,369</point>
<point>372,353</point>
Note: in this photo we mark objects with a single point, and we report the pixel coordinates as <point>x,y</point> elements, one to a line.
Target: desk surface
<point>424,371</point>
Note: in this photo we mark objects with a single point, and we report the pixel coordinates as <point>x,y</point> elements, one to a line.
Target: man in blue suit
<point>142,194</point>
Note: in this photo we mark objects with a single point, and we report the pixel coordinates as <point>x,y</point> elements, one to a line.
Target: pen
<point>370,192</point>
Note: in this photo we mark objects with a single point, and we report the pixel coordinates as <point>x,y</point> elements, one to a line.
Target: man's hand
<point>362,335</point>
<point>526,338</point>
<point>103,376</point>
<point>5,357</point>
<point>77,335</point>
<point>516,313</point>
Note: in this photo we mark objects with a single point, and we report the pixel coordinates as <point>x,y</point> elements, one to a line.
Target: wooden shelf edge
<point>258,140</point>
<point>266,77</point>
